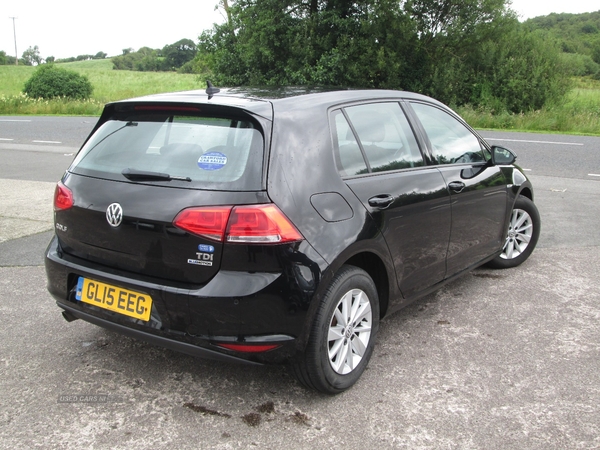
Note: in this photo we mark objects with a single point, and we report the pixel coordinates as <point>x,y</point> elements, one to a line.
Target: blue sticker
<point>212,161</point>
<point>79,288</point>
<point>206,248</point>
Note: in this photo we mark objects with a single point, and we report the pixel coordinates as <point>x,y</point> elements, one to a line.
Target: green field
<point>580,113</point>
<point>109,85</point>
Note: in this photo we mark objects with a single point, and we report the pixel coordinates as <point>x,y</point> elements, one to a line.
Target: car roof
<point>262,100</point>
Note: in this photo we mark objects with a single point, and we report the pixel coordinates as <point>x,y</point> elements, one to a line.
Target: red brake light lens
<point>252,224</point>
<point>264,224</point>
<point>63,197</point>
<point>209,222</point>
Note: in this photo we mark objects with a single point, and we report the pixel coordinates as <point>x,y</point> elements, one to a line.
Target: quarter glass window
<point>451,141</point>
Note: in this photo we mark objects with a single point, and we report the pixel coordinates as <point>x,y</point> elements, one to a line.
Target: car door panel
<point>478,214</point>
<point>477,188</point>
<point>416,225</point>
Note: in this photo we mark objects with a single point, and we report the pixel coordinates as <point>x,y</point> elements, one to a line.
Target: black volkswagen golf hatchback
<point>279,226</point>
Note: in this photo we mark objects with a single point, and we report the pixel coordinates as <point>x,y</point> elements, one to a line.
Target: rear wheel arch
<point>343,333</point>
<point>370,262</point>
<point>374,266</point>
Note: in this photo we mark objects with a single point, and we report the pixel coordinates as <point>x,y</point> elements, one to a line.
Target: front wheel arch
<point>521,235</point>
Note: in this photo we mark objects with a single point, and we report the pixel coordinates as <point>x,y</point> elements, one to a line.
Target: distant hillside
<point>578,35</point>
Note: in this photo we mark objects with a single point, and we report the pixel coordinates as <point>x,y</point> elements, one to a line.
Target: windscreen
<point>179,150</point>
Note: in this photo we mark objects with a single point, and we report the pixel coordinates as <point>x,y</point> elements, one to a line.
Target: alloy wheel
<point>349,331</point>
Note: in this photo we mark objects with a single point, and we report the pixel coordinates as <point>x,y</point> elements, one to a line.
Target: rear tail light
<point>63,197</point>
<point>253,224</point>
<point>206,222</point>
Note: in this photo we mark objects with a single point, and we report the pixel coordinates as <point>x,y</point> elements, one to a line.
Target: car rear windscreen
<point>223,153</point>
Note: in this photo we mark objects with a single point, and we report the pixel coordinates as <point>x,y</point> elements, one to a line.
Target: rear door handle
<point>381,201</point>
<point>457,186</point>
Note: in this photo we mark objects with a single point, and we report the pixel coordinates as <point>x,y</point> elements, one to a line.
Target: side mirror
<point>502,156</point>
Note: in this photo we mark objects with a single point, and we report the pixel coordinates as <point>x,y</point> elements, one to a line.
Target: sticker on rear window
<point>212,161</point>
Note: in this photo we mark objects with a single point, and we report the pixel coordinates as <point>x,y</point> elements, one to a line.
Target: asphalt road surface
<point>496,360</point>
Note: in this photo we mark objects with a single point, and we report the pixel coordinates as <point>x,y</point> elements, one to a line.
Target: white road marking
<point>593,174</point>
<point>534,142</point>
<point>14,120</point>
<point>47,142</point>
<point>6,139</point>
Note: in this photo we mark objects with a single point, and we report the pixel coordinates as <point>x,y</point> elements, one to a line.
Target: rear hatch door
<point>141,168</point>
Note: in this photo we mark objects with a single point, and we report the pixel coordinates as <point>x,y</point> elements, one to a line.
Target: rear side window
<point>374,137</point>
<point>222,152</point>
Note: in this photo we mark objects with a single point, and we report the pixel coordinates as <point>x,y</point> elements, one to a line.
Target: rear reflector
<point>249,348</point>
<point>63,197</point>
<point>252,224</point>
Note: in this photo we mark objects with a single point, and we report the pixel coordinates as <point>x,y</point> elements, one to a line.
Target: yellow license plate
<point>130,303</point>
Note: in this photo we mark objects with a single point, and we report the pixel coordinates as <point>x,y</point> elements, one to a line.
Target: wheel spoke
<point>335,333</point>
<point>363,312</point>
<point>358,346</point>
<point>520,218</point>
<point>346,307</point>
<point>340,317</point>
<point>342,359</point>
<point>510,246</point>
<point>335,350</point>
<point>356,303</point>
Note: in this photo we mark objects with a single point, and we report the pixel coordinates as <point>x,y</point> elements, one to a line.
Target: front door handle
<point>381,201</point>
<point>457,186</point>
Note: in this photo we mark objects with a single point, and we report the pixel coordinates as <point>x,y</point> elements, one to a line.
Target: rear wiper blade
<point>141,175</point>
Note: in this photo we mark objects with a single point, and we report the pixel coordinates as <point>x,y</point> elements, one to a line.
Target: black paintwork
<point>412,230</point>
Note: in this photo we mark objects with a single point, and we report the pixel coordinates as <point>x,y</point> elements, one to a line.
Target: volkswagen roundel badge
<point>114,214</point>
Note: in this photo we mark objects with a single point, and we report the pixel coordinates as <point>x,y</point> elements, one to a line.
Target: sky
<point>65,28</point>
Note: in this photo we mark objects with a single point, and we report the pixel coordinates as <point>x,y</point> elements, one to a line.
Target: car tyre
<point>343,333</point>
<point>521,237</point>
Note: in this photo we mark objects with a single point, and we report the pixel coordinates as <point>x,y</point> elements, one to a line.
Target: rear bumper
<point>233,308</point>
<point>171,344</point>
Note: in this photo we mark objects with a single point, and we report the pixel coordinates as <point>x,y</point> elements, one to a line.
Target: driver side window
<point>451,141</point>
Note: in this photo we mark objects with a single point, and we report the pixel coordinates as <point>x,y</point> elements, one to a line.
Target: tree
<point>177,54</point>
<point>429,46</point>
<point>49,81</point>
<point>31,56</point>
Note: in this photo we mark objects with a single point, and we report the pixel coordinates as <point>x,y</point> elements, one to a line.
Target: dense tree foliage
<point>460,51</point>
<point>49,81</point>
<point>177,56</point>
<point>579,38</point>
<point>578,33</point>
